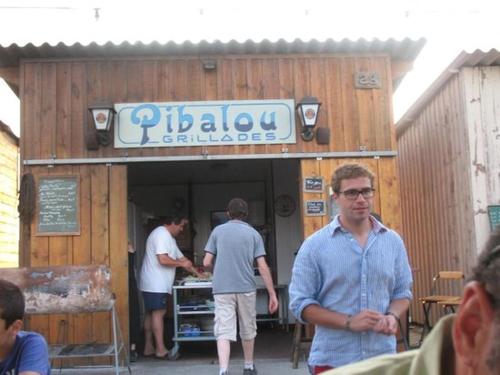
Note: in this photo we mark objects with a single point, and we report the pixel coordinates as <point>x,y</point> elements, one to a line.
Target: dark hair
<point>237,208</point>
<point>172,218</point>
<point>11,302</point>
<point>487,270</point>
<point>349,171</point>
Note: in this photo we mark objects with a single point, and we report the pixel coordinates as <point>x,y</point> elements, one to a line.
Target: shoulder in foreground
<point>326,230</point>
<point>32,335</point>
<point>392,364</point>
<point>391,233</point>
<point>316,239</point>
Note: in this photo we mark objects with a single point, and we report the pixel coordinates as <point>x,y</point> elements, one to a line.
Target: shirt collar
<point>336,226</point>
<point>436,353</point>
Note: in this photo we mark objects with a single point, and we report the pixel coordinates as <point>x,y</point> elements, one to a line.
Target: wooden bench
<point>71,290</point>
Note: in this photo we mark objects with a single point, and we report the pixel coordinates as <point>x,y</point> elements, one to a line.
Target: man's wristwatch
<point>348,322</point>
<point>394,315</point>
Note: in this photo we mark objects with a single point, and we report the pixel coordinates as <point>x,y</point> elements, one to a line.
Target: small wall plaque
<point>367,80</point>
<point>313,184</point>
<point>315,208</point>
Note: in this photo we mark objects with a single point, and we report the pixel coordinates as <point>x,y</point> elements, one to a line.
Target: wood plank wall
<point>56,95</point>
<point>9,218</point>
<point>386,201</point>
<point>482,95</point>
<point>103,240</point>
<point>436,191</point>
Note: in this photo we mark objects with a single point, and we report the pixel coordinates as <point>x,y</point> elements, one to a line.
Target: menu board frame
<point>76,202</point>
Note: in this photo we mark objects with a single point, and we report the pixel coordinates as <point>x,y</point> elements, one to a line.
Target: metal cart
<point>181,311</point>
<point>202,309</point>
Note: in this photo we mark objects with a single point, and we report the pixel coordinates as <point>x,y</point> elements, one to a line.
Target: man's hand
<point>366,320</point>
<point>186,264</point>
<point>273,304</point>
<point>388,325</point>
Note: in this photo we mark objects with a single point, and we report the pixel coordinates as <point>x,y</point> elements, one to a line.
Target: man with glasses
<point>464,343</point>
<point>351,279</point>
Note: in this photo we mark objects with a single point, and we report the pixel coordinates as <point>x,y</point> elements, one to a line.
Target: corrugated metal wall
<point>436,190</point>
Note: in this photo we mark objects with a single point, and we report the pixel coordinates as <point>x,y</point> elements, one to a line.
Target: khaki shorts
<point>226,307</point>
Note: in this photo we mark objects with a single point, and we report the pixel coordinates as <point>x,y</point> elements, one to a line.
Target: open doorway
<point>201,190</point>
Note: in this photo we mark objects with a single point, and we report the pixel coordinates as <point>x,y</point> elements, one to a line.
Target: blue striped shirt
<point>333,271</point>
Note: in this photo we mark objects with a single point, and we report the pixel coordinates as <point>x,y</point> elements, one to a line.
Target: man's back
<point>235,244</point>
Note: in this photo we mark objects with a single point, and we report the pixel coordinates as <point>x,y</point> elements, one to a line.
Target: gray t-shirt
<point>235,245</point>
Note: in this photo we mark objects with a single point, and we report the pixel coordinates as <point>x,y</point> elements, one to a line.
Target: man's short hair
<point>11,302</point>
<point>487,270</point>
<point>172,218</point>
<point>350,171</point>
<point>237,208</point>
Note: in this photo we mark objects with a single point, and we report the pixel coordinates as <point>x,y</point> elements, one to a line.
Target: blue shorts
<point>154,301</point>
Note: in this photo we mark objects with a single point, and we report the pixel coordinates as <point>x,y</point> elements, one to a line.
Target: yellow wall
<point>9,218</point>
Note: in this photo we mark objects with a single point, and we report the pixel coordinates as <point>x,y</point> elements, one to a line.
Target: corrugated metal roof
<point>464,59</point>
<point>405,49</point>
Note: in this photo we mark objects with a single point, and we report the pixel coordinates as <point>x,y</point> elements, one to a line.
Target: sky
<point>449,26</point>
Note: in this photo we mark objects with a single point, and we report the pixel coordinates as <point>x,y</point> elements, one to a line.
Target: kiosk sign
<point>214,123</point>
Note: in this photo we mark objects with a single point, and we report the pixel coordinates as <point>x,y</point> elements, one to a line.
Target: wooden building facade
<point>57,84</point>
<point>449,164</point>
<point>9,218</point>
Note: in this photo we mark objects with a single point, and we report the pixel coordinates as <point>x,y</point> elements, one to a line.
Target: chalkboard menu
<point>494,215</point>
<point>315,208</point>
<point>58,206</point>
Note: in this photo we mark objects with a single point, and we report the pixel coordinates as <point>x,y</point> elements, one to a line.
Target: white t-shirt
<point>154,276</point>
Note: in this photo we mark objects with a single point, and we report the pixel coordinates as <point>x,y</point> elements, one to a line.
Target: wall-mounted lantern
<point>102,116</point>
<point>308,109</point>
<point>209,64</point>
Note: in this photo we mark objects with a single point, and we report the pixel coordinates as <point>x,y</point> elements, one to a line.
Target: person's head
<point>476,330</point>
<point>352,186</point>
<point>237,209</point>
<point>174,223</point>
<point>11,312</point>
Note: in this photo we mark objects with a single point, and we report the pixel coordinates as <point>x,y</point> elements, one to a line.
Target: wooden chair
<point>300,339</point>
<point>438,293</point>
<point>450,305</point>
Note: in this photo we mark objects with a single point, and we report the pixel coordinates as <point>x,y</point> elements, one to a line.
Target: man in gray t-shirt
<point>235,246</point>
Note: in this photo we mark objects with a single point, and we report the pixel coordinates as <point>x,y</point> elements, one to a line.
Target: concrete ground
<point>272,357</point>
<point>280,366</point>
<point>272,353</point>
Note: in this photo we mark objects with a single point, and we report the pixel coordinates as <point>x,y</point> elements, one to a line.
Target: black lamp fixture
<point>308,109</point>
<point>102,116</point>
<point>209,64</point>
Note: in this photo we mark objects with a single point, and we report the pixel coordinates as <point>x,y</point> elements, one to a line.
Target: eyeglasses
<point>352,194</point>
